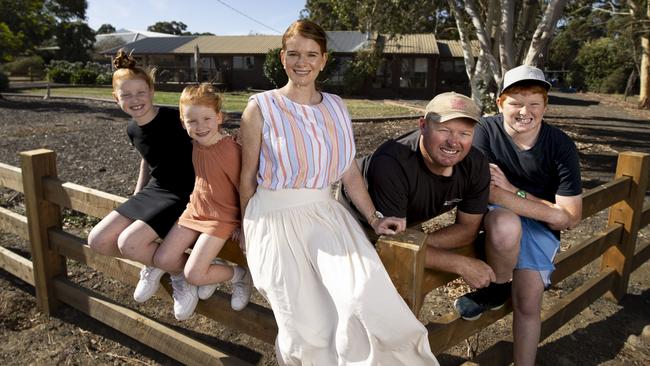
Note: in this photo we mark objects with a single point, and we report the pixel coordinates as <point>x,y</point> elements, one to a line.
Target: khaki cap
<point>446,106</point>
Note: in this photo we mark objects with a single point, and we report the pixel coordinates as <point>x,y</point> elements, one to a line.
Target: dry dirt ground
<point>92,150</point>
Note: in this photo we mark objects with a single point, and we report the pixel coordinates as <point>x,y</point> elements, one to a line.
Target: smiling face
<point>445,144</point>
<point>202,123</point>
<point>523,111</point>
<point>135,97</point>
<point>302,59</point>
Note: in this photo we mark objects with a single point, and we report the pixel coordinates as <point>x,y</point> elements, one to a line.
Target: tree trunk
<point>644,91</point>
<point>544,32</point>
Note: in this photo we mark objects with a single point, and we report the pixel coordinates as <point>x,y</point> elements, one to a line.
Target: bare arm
<point>463,232</point>
<point>143,176</point>
<point>459,234</point>
<point>565,213</point>
<point>251,139</point>
<point>356,189</point>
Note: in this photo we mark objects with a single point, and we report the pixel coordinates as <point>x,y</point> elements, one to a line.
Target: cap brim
<point>451,116</point>
<point>543,83</point>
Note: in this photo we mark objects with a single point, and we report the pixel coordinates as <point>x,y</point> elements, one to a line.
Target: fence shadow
<point>614,331</point>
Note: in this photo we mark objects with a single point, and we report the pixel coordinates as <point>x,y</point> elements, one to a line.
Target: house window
<point>414,73</point>
<point>446,66</point>
<point>383,77</point>
<point>243,62</point>
<point>338,72</point>
<point>459,65</point>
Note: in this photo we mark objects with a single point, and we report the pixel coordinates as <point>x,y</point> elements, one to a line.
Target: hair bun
<point>123,60</point>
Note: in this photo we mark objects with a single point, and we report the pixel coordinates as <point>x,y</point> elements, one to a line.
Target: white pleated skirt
<point>331,296</point>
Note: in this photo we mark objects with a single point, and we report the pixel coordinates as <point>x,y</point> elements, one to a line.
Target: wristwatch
<point>521,193</point>
<point>375,216</point>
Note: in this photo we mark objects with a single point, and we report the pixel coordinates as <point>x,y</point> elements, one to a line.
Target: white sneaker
<point>241,291</point>
<point>185,297</point>
<point>148,284</point>
<point>206,291</point>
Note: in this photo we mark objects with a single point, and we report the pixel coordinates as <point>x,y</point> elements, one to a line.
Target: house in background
<point>411,68</point>
<point>124,36</point>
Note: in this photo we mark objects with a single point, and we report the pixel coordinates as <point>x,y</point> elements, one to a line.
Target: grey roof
<point>155,45</point>
<point>346,41</point>
<point>338,42</point>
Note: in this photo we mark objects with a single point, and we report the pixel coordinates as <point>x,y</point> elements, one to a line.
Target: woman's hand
<point>389,225</point>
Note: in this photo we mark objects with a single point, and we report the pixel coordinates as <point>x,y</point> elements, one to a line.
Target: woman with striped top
<point>332,298</point>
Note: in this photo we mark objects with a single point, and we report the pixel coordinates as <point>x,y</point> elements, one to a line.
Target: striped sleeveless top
<point>303,146</point>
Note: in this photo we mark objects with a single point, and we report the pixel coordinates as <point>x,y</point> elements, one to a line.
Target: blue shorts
<point>538,248</point>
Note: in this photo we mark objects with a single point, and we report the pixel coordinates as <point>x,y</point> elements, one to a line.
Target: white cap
<point>524,73</point>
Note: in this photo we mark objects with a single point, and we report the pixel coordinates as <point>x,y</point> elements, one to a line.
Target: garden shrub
<point>25,65</point>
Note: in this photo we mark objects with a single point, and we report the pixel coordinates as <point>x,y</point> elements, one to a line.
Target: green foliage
<point>173,27</point>
<point>75,40</point>
<point>395,16</point>
<point>105,29</point>
<point>603,63</point>
<point>64,72</point>
<point>273,69</point>
<point>4,81</point>
<point>25,66</point>
<point>361,70</point>
<point>104,79</point>
<point>27,25</point>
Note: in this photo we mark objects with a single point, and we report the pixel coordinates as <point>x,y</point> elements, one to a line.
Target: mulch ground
<point>92,150</point>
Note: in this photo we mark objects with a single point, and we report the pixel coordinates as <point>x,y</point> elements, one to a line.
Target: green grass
<point>233,101</point>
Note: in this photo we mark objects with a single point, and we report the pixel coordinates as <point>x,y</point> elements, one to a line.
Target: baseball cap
<point>446,106</point>
<point>524,73</point>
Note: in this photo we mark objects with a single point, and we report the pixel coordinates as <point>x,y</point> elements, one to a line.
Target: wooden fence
<point>45,196</point>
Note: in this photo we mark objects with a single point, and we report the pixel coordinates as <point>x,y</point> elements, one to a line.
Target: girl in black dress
<point>164,184</point>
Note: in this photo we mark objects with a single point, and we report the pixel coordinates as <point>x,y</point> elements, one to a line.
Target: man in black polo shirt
<point>434,169</point>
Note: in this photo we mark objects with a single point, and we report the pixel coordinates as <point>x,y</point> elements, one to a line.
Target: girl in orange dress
<point>212,215</point>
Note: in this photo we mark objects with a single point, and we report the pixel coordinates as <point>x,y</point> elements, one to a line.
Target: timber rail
<point>45,196</point>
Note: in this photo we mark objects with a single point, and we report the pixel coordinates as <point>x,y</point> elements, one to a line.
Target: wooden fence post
<point>627,213</point>
<point>403,257</point>
<point>42,215</point>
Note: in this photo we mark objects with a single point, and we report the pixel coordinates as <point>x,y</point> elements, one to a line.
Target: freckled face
<point>444,145</point>
<point>522,112</point>
<point>135,98</point>
<point>302,60</point>
<point>201,123</point>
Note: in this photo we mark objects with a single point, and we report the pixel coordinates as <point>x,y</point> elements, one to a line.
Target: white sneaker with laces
<point>205,291</point>
<point>185,297</point>
<point>241,291</point>
<point>148,284</point>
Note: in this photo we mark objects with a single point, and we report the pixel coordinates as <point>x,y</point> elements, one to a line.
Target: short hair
<point>127,69</point>
<point>204,94</point>
<point>525,86</point>
<point>307,29</point>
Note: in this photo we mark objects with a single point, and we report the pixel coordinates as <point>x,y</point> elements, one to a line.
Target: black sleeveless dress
<point>166,147</point>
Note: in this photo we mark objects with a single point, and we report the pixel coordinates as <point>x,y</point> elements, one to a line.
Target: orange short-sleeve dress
<point>214,204</point>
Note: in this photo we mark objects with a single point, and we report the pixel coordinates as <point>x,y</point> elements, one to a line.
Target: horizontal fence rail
<point>403,257</point>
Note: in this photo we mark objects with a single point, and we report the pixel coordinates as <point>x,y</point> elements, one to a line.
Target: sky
<point>199,15</point>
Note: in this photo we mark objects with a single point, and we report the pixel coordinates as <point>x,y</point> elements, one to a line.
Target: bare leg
<point>136,242</point>
<point>199,270</point>
<point>171,256</point>
<point>103,237</point>
<point>527,293</point>
<point>503,233</point>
